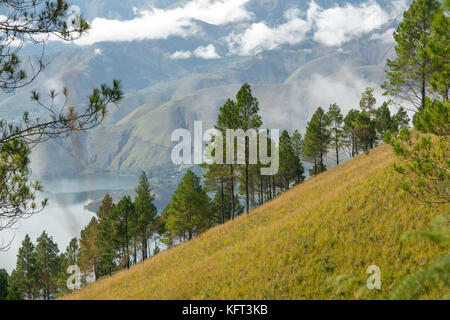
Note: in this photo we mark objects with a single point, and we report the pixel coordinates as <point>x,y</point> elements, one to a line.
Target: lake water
<point>65,215</point>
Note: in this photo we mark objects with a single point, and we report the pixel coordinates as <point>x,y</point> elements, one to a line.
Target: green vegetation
<point>409,75</point>
<point>37,20</point>
<point>337,223</point>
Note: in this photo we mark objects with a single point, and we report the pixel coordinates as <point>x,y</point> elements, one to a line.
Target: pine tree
<point>68,258</point>
<point>4,279</point>
<point>72,252</point>
<point>366,123</point>
<point>297,145</point>
<point>409,75</point>
<point>106,245</point>
<point>336,122</point>
<point>287,160</point>
<point>401,119</point>
<point>14,287</point>
<point>438,51</point>
<point>25,276</point>
<point>145,212</point>
<point>425,155</point>
<point>216,206</point>
<point>48,265</point>
<point>317,140</point>
<point>248,108</point>
<point>228,118</point>
<point>351,132</point>
<point>122,227</point>
<point>384,121</point>
<point>215,180</point>
<point>90,254</point>
<point>189,212</point>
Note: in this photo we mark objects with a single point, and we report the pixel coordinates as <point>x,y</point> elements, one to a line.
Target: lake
<point>65,215</point>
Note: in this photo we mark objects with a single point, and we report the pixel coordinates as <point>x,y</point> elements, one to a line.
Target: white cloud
<point>331,27</point>
<point>340,24</point>
<point>208,52</point>
<point>97,51</point>
<point>181,55</point>
<point>161,24</point>
<point>259,36</point>
<point>203,52</point>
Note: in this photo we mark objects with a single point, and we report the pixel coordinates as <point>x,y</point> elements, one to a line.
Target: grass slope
<point>338,223</point>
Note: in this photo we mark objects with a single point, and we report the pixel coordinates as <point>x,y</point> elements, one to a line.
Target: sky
<point>328,26</point>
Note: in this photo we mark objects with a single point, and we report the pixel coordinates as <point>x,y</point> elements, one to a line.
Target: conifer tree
<point>317,140</point>
<point>90,254</point>
<point>336,122</point>
<point>409,74</point>
<point>122,217</point>
<point>384,121</point>
<point>106,243</point>
<point>249,118</point>
<point>189,212</point>
<point>48,265</point>
<point>228,118</point>
<point>215,180</point>
<point>4,279</point>
<point>297,145</point>
<point>438,51</point>
<point>351,132</point>
<point>68,258</point>
<point>145,212</point>
<point>25,277</point>
<point>287,160</point>
<point>366,122</point>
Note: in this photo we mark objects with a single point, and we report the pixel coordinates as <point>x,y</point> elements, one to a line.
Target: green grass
<point>296,247</point>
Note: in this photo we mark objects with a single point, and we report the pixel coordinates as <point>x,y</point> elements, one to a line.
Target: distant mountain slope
<point>338,223</point>
<point>163,94</point>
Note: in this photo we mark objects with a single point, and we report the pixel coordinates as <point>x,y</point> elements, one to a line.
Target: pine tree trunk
<point>337,154</point>
<point>221,201</point>
<point>232,191</point>
<point>143,248</point>
<point>423,88</point>
<point>246,188</point>
<point>315,166</point>
<point>270,188</point>
<point>274,188</point>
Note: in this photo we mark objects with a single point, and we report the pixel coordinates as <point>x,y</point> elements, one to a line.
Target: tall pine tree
<point>145,211</point>
<point>409,74</point>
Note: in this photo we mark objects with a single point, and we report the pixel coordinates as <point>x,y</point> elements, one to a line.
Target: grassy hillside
<point>338,223</point>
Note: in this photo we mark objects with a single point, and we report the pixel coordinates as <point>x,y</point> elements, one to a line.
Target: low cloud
<point>203,52</point>
<point>330,27</point>
<point>259,36</point>
<point>208,52</point>
<point>181,55</point>
<point>163,23</point>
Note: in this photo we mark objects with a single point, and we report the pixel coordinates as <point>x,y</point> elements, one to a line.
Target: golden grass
<point>338,223</point>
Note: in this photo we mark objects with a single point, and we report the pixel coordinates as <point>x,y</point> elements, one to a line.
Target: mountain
<point>333,226</point>
<point>162,94</point>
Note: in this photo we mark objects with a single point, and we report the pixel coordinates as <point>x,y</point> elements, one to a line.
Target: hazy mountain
<point>163,94</point>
